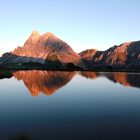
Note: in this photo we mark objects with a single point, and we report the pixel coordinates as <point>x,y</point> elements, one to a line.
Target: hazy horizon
<point>83,24</point>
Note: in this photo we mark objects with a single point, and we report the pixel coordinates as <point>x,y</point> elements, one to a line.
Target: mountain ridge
<point>51,52</point>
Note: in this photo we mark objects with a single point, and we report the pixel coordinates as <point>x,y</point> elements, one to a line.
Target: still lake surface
<point>41,105</point>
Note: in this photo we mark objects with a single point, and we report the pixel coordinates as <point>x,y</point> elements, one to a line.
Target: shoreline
<point>70,70</point>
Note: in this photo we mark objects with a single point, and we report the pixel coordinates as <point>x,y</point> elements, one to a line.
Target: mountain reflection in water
<point>125,79</point>
<point>48,82</point>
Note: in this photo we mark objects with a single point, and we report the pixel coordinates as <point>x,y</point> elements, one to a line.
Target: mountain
<point>51,53</point>
<point>123,57</point>
<point>87,58</point>
<point>125,54</point>
<point>88,54</point>
<point>45,50</point>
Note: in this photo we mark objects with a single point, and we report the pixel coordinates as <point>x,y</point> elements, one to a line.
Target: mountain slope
<point>46,49</point>
<point>49,52</point>
<point>123,57</point>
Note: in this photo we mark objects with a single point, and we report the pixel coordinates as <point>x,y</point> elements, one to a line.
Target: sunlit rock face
<point>125,56</point>
<point>46,82</point>
<point>44,49</point>
<point>47,46</point>
<point>88,54</point>
<point>87,58</point>
<point>116,55</point>
<point>49,52</point>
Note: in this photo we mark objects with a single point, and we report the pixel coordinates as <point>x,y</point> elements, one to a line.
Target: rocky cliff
<point>47,50</point>
<point>123,57</point>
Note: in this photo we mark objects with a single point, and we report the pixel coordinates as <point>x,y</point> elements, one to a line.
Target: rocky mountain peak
<point>53,53</point>
<point>45,49</point>
<point>50,34</point>
<point>35,33</point>
<point>34,36</point>
<point>126,44</point>
<point>88,54</point>
<point>32,40</point>
<point>52,41</point>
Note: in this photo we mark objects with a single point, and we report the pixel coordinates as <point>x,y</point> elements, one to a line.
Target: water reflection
<point>125,79</point>
<point>92,109</point>
<point>48,82</point>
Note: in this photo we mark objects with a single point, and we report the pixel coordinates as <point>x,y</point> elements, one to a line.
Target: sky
<point>83,24</point>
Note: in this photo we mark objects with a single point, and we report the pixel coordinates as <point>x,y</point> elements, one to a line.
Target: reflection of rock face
<point>49,82</point>
<point>91,75</point>
<point>43,81</point>
<point>125,79</point>
<point>119,77</point>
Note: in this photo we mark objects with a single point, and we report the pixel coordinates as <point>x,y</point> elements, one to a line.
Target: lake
<point>54,105</point>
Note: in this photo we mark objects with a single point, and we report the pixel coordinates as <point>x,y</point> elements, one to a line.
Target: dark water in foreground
<point>41,105</point>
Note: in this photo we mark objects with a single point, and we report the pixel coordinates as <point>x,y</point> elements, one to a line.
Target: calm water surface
<point>41,105</point>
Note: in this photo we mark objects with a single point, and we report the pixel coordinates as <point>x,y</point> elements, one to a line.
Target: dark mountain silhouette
<point>5,74</point>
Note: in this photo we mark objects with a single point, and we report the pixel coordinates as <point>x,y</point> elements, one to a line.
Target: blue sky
<point>83,24</point>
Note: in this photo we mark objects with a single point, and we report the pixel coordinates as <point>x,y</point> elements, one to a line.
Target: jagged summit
<point>45,40</point>
<point>88,54</point>
<point>32,40</point>
<point>53,53</point>
<point>35,33</point>
<point>125,56</point>
<point>50,34</point>
<point>47,35</point>
<point>44,49</point>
